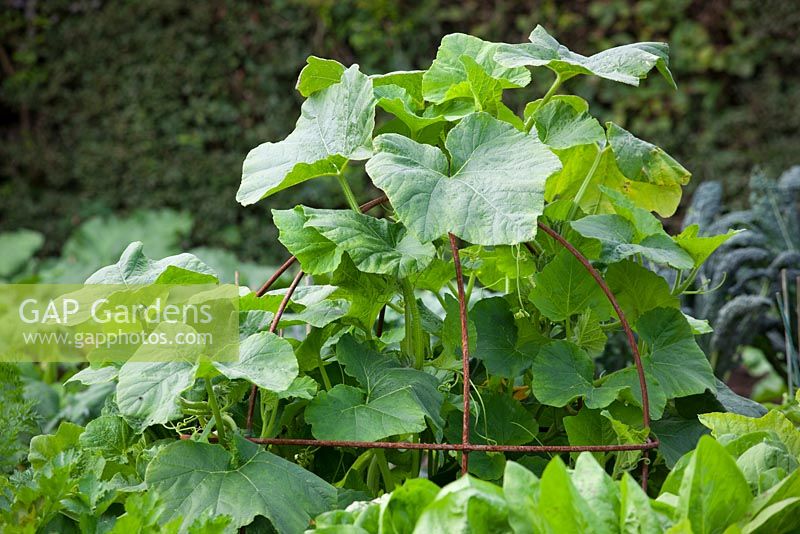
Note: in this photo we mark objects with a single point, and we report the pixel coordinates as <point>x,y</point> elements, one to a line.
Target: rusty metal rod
<point>291,442</point>
<point>465,446</point>
<point>617,309</point>
<point>462,313</point>
<point>289,262</point>
<point>272,327</point>
<point>625,326</point>
<point>264,288</point>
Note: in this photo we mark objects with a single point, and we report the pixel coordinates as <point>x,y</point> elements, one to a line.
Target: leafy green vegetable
<point>563,372</point>
<point>447,77</point>
<point>318,74</point>
<point>194,477</point>
<point>489,193</point>
<point>731,423</point>
<point>265,360</point>
<point>626,64</point>
<point>709,505</point>
<point>335,126</point>
<point>498,345</point>
<point>564,288</point>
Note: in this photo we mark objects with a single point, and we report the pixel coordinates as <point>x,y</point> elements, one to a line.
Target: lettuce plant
<point>744,481</point>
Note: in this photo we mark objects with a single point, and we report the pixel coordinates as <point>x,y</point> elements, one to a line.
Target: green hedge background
<point>113,106</point>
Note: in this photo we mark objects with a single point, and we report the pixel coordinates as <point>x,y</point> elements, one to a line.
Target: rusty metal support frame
<point>465,447</point>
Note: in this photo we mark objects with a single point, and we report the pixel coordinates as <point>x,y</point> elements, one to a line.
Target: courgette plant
<point>371,339</point>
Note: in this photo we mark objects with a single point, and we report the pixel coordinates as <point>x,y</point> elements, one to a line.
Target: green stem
<point>416,458</point>
<point>373,474</point>
<point>470,285</point>
<point>266,431</point>
<point>585,184</point>
<point>537,248</point>
<point>396,307</point>
<point>362,460</point>
<point>212,401</point>
<point>348,193</point>
<point>686,283</point>
<point>323,372</point>
<point>545,99</point>
<point>677,283</point>
<point>386,473</point>
<point>415,342</point>
<point>440,299</point>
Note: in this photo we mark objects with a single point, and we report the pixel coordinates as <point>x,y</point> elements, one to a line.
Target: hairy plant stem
<point>383,466</point>
<point>687,282</point>
<point>348,193</point>
<point>266,430</point>
<point>325,380</point>
<point>415,342</point>
<point>373,473</point>
<point>470,285</point>
<point>212,401</point>
<point>545,99</point>
<point>585,184</point>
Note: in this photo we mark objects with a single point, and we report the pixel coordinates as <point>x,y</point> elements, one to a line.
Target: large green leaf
<point>147,393</point>
<point>193,478</point>
<point>45,447</point>
<point>564,288</point>
<point>346,413</point>
<point>562,372</point>
<point>501,419</point>
<point>367,293</point>
<point>497,341</point>
<point>565,122</point>
<point>701,247</point>
<point>400,93</point>
<point>578,162</point>
<point>401,512</point>
<point>375,245</point>
<point>316,253</point>
<point>487,93</point>
<point>638,289</point>
<point>673,356</point>
<point>134,268</point>
<point>641,161</point>
<point>713,492</point>
<point>561,506</point>
<point>318,74</point>
<point>489,193</point>
<point>382,374</point>
<point>447,77</point>
<point>521,489</point>
<point>627,64</point>
<point>732,423</point>
<point>674,364</point>
<point>466,505</point>
<point>619,240</point>
<point>319,238</point>
<point>266,360</point>
<point>335,126</point>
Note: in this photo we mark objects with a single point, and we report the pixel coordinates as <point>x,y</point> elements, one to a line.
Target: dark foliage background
<point>110,106</point>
